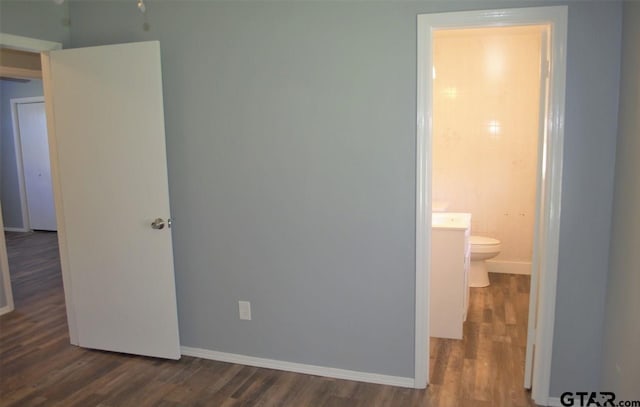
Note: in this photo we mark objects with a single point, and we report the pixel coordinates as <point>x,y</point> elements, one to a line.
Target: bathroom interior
<point>488,99</point>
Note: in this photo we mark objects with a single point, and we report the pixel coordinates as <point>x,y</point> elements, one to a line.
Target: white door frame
<point>556,18</point>
<point>31,45</point>
<point>4,272</point>
<point>17,143</point>
<point>27,44</point>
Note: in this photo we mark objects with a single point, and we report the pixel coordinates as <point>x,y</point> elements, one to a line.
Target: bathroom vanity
<point>449,286</point>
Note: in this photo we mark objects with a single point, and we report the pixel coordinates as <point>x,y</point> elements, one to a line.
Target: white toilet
<point>482,248</point>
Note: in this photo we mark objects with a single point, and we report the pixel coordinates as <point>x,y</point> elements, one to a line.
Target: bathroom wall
<point>485,139</point>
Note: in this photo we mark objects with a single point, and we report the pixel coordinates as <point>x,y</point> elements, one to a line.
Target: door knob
<point>157,224</point>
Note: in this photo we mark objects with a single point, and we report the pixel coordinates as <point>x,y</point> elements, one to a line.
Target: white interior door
<point>110,180</point>
<point>540,223</point>
<point>32,126</point>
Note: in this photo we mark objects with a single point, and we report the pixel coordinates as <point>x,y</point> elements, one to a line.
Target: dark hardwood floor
<point>38,367</point>
<point>486,368</point>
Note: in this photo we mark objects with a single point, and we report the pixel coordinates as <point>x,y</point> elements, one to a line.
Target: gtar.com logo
<point>593,399</point>
<point>588,399</point>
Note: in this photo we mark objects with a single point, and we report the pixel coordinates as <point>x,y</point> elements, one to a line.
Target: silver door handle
<point>157,224</point>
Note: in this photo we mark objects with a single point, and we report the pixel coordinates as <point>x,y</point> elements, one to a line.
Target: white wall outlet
<point>244,307</point>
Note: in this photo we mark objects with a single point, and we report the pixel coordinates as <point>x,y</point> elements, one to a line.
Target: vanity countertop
<point>450,220</point>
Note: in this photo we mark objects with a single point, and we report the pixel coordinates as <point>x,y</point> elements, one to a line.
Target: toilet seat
<point>483,244</point>
<point>482,248</point>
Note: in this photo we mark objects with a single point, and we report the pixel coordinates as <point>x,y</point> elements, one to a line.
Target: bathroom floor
<point>486,368</point>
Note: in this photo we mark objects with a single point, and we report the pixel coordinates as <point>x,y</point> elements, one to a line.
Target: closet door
<point>32,125</point>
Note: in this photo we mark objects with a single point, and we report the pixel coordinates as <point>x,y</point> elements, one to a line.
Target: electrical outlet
<point>244,308</point>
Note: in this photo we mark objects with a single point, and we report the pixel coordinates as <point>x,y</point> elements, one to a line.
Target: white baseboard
<point>554,402</point>
<point>509,267</point>
<point>299,367</point>
<point>6,309</point>
<point>10,229</point>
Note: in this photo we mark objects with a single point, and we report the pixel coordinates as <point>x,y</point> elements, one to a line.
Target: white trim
<point>4,271</point>
<point>17,146</point>
<point>6,309</point>
<point>553,402</point>
<point>423,207</point>
<point>33,45</point>
<point>509,267</point>
<point>57,196</point>
<point>27,44</point>
<point>548,276</point>
<point>538,241</point>
<point>10,229</point>
<point>556,18</point>
<point>298,367</point>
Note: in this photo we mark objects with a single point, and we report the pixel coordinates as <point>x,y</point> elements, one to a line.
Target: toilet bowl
<point>482,248</point>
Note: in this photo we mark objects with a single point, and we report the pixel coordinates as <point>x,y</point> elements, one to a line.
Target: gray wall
<point>593,70</point>
<point>622,323</point>
<point>41,19</point>
<point>9,187</point>
<point>291,148</point>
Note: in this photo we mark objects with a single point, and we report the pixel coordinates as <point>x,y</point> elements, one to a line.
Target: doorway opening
<point>546,213</point>
<point>31,147</point>
<point>108,162</point>
<point>27,193</point>
<point>30,233</point>
<point>488,109</point>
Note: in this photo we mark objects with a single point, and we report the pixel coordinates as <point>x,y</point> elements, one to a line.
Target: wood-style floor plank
<point>38,366</point>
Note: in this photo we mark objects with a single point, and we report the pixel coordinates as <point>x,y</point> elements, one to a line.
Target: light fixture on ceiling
<point>140,3</point>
